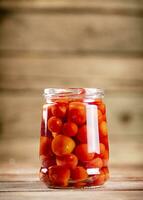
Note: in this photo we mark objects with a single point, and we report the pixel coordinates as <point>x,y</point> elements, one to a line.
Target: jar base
<point>86,184</point>
<point>72,187</point>
<point>93,181</point>
<point>88,187</point>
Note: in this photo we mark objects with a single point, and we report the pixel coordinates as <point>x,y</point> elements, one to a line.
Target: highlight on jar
<point>74,150</point>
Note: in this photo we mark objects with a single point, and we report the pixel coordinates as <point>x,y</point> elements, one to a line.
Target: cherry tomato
<point>62,145</point>
<point>77,113</point>
<point>45,146</point>
<point>59,176</point>
<point>69,161</point>
<point>79,173</point>
<point>54,124</point>
<point>99,178</point>
<point>95,163</point>
<point>59,110</point>
<point>81,152</point>
<point>70,129</point>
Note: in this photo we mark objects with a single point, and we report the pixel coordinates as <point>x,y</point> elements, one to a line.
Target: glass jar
<point>74,149</point>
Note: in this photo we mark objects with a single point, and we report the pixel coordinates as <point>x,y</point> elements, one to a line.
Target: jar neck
<point>73,93</point>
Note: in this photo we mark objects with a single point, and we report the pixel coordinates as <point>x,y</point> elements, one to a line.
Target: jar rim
<point>73,92</point>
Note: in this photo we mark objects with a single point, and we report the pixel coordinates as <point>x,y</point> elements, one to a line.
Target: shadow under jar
<point>74,149</point>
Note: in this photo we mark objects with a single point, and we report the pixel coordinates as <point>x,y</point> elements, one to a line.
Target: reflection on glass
<point>92,129</point>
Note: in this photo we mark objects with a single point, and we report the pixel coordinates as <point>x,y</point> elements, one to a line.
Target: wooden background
<point>67,43</point>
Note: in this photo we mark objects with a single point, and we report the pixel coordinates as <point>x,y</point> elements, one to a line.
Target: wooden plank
<point>16,183</point>
<point>19,186</point>
<point>34,73</point>
<point>77,195</point>
<point>71,33</point>
<point>109,5</point>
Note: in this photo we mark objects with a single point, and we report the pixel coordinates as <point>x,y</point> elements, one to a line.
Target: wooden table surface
<point>126,182</point>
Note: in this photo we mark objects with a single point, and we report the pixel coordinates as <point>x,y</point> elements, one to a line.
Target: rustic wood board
<point>118,185</point>
<point>123,184</point>
<point>108,5</point>
<point>69,195</point>
<point>71,33</point>
<point>34,72</point>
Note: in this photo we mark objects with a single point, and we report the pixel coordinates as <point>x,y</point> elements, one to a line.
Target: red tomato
<point>77,113</point>
<point>45,146</point>
<point>54,124</point>
<point>59,176</point>
<point>79,173</point>
<point>99,178</point>
<point>70,129</point>
<point>69,161</point>
<point>81,152</point>
<point>59,110</point>
<point>95,163</point>
<point>62,145</point>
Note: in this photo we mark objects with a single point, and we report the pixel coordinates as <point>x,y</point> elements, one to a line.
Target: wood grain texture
<point>77,195</point>
<point>123,184</point>
<point>110,5</point>
<point>35,73</point>
<point>71,33</point>
<point>19,186</point>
